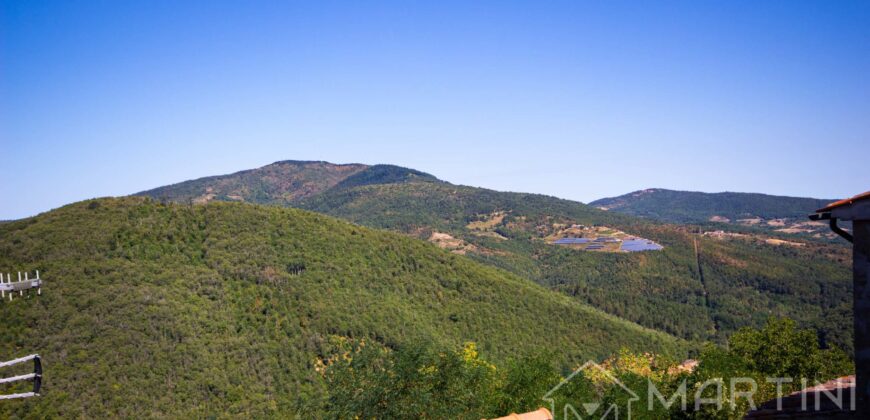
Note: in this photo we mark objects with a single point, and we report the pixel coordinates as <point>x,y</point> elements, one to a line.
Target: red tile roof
<point>539,414</point>
<point>859,197</point>
<point>834,402</point>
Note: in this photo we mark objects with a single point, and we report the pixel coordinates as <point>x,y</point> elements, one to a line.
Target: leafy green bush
<point>780,349</point>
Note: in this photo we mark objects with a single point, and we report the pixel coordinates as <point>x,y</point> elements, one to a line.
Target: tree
<point>781,350</point>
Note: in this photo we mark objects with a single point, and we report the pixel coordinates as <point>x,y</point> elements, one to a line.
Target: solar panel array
<point>571,241</point>
<point>631,244</point>
<point>635,245</point>
<point>606,239</point>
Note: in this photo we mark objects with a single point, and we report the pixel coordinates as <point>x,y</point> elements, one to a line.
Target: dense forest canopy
<point>175,310</point>
<point>699,207</point>
<point>727,285</point>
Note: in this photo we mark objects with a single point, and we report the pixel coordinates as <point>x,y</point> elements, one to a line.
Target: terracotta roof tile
<point>539,414</point>
<point>859,197</point>
<point>834,402</point>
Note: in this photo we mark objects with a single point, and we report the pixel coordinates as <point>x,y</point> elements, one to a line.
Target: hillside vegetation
<point>761,216</point>
<point>699,207</point>
<point>172,310</point>
<point>744,283</point>
<point>420,382</point>
<point>729,284</point>
<point>284,182</point>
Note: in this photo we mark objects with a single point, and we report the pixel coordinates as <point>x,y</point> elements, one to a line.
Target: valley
<point>351,210</point>
<point>747,281</point>
<point>246,291</point>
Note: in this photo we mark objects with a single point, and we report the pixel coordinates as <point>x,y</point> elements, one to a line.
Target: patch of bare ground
<point>519,223</point>
<point>778,242</point>
<point>448,242</point>
<point>205,198</point>
<point>489,234</point>
<point>721,219</point>
<point>458,246</point>
<point>804,227</point>
<point>487,222</point>
<point>721,234</point>
<point>794,230</point>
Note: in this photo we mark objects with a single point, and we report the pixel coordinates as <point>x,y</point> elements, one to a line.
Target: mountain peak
<point>285,182</point>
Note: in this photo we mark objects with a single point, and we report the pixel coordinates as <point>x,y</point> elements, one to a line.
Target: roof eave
<point>855,208</point>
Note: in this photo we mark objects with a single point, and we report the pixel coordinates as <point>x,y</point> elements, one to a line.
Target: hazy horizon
<point>575,100</point>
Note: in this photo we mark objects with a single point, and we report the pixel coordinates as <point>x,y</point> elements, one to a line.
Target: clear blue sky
<point>575,99</point>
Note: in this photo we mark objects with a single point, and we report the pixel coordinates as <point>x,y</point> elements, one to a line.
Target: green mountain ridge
<point>385,174</point>
<point>744,282</point>
<point>174,310</point>
<point>284,182</point>
<point>699,207</point>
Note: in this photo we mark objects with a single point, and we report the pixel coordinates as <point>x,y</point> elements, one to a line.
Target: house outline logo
<point>591,407</point>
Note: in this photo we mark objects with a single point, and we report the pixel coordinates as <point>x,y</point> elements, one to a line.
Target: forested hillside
<point>728,284</point>
<point>173,310</point>
<point>284,182</point>
<point>744,282</point>
<point>700,207</point>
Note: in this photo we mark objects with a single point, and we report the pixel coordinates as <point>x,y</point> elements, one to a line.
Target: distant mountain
<point>148,307</point>
<point>745,279</point>
<point>285,182</point>
<point>698,207</point>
